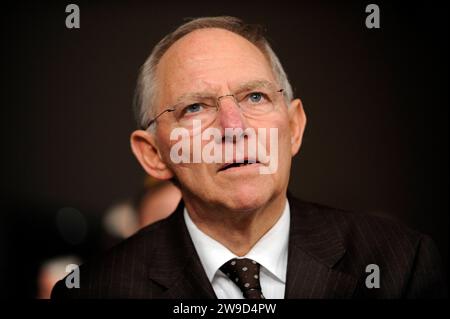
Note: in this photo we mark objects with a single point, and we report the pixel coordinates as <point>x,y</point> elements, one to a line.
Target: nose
<point>229,113</point>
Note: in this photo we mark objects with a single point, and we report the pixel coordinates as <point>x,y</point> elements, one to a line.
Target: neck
<point>238,231</point>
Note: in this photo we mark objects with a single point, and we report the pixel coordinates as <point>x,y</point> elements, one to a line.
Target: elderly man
<point>238,233</point>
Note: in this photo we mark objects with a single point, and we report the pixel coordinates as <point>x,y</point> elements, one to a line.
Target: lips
<point>246,162</point>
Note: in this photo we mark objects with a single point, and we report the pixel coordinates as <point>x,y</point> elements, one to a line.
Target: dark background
<point>376,101</point>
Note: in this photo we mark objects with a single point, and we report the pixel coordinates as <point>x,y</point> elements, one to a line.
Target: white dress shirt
<point>271,252</point>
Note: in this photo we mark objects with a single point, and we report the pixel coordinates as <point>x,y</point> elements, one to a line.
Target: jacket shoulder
<point>361,231</point>
<point>403,255</point>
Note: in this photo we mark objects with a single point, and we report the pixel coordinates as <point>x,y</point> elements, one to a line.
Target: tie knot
<point>244,273</point>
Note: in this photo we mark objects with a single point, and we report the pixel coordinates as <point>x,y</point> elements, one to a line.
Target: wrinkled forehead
<point>210,60</point>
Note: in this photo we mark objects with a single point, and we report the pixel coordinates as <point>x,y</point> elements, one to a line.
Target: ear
<point>144,147</point>
<point>297,123</point>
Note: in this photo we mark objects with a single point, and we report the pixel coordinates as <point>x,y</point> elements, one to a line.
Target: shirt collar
<point>270,251</point>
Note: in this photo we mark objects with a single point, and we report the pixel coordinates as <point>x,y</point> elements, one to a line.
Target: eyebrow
<point>247,86</point>
<point>255,84</point>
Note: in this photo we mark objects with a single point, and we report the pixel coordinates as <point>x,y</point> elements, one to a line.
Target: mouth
<point>235,165</point>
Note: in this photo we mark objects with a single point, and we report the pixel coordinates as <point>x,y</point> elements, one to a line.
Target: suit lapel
<point>175,265</point>
<point>315,247</point>
<point>191,284</point>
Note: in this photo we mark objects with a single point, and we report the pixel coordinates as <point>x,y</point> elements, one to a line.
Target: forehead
<point>210,60</point>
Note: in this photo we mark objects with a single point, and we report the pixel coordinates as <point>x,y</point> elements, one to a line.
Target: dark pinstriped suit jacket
<point>328,254</point>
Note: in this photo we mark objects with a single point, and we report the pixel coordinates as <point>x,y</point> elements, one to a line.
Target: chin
<point>247,198</point>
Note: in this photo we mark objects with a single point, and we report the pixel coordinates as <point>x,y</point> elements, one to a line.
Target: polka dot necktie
<point>245,274</point>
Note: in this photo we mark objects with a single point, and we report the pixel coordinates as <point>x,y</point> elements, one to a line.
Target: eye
<point>193,108</point>
<point>256,97</point>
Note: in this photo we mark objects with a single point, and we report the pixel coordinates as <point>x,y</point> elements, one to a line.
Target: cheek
<point>165,144</point>
<point>281,125</point>
<point>184,170</point>
<point>284,143</point>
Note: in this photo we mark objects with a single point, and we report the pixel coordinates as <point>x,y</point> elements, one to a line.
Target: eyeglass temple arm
<point>145,127</point>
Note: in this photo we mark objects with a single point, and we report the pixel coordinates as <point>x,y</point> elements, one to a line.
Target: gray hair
<point>145,94</point>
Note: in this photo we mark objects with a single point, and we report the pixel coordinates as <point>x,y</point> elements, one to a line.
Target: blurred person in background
<point>51,272</point>
<point>155,201</point>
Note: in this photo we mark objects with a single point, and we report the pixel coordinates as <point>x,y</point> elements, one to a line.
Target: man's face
<point>217,62</point>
